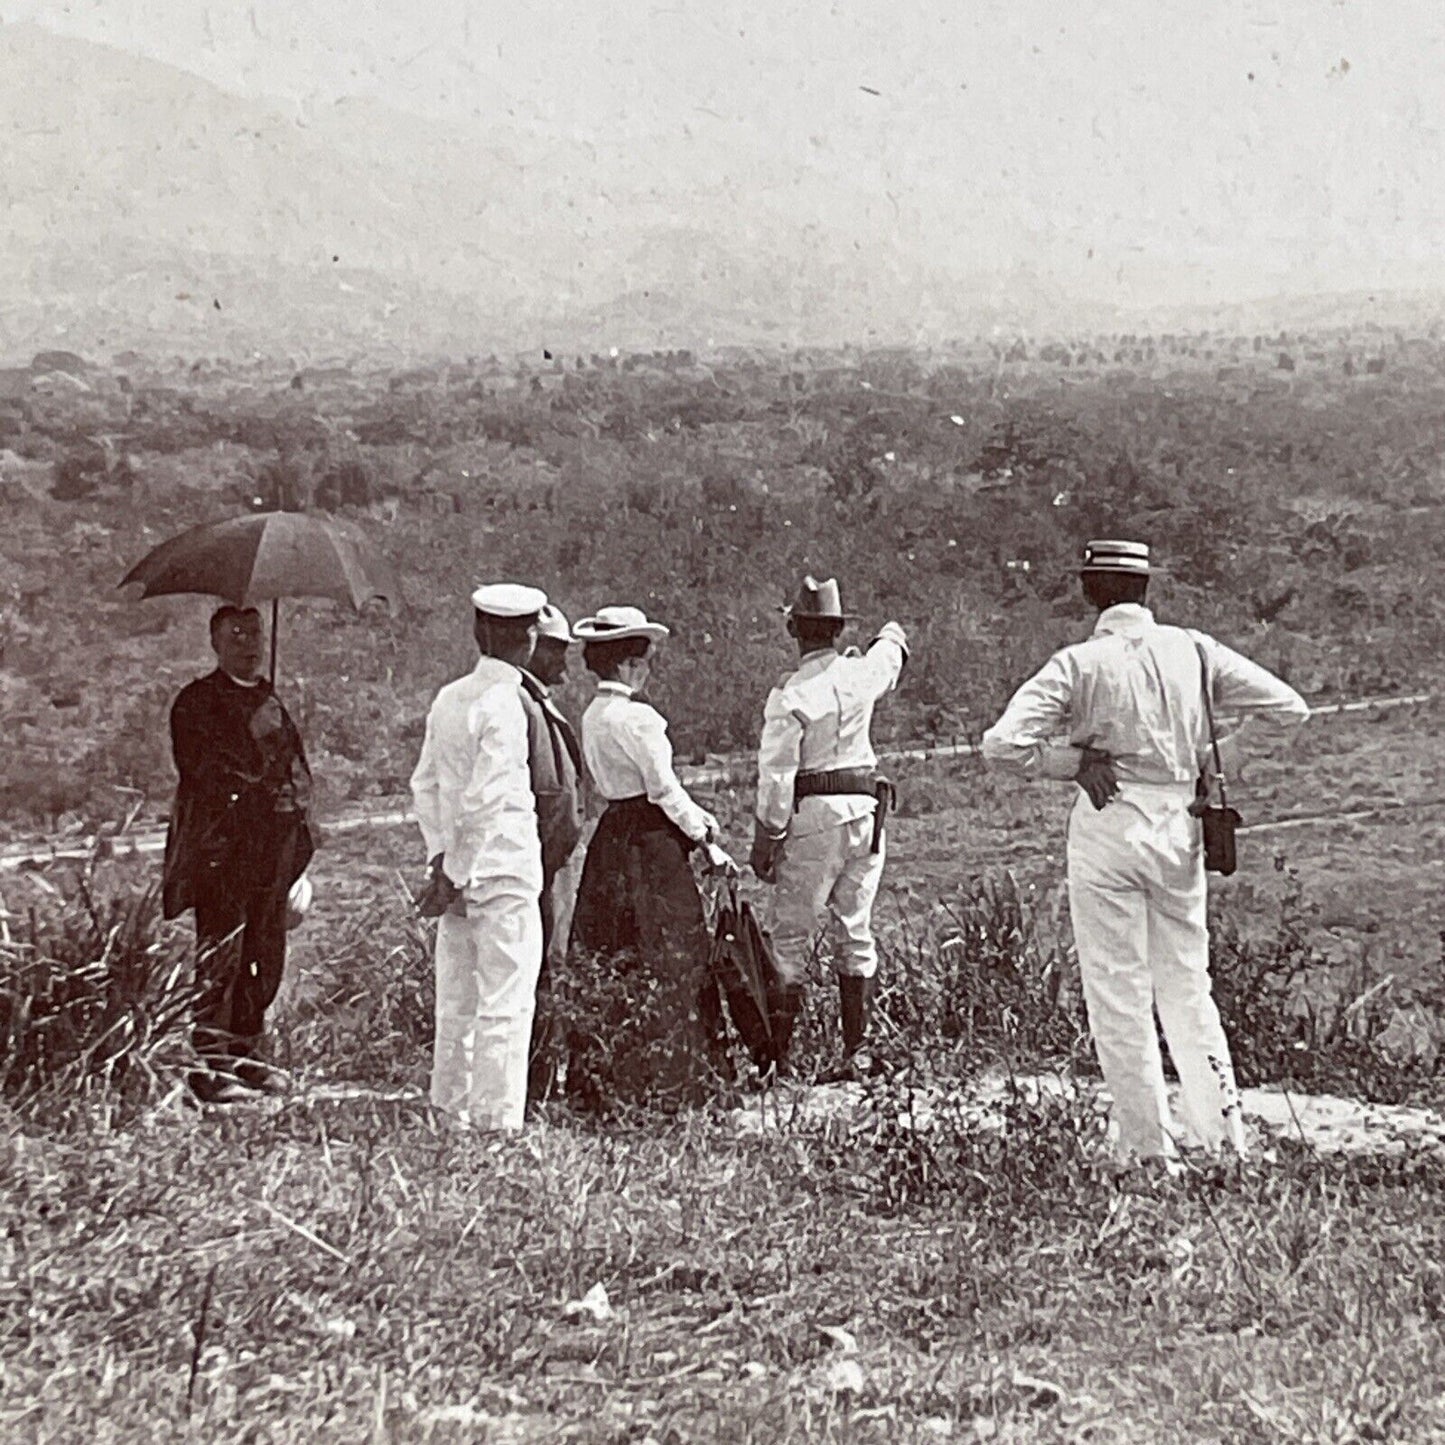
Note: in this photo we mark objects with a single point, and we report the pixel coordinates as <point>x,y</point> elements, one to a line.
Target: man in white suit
<point>473,794</point>
<point>1123,715</point>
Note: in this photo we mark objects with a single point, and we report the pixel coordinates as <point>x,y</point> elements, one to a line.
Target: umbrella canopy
<point>263,556</point>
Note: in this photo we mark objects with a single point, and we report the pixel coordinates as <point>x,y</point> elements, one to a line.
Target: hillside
<point>136,196</point>
<point>144,207</point>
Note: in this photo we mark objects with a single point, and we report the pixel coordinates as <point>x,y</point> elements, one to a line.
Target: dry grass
<point>349,1273</point>
<point>347,1269</point>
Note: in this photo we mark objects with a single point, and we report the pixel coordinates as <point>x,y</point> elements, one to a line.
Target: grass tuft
<point>96,997</point>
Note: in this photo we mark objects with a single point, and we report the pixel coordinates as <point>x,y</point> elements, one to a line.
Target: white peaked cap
<point>612,624</point>
<point>553,623</point>
<point>509,599</point>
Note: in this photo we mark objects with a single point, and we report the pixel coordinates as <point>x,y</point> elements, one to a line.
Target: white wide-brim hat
<point>552,622</point>
<point>612,624</point>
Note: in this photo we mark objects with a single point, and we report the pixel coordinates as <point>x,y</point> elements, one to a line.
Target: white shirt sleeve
<point>1031,736</point>
<point>883,663</point>
<point>426,793</point>
<point>647,744</point>
<point>779,752</point>
<point>484,833</point>
<point>1237,685</point>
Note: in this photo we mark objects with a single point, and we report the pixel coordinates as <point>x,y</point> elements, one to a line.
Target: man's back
<point>553,757</point>
<point>832,695</point>
<point>1135,690</point>
<point>472,785</point>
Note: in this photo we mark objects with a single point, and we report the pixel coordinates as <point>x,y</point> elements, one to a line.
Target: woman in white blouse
<point>638,907</point>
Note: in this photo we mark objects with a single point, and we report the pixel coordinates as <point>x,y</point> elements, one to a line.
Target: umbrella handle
<point>275,614</point>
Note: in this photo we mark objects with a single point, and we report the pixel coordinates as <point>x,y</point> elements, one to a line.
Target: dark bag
<point>741,961</point>
<point>1218,822</point>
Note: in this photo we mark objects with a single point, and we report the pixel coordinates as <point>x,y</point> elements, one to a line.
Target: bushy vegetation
<point>1301,518</point>
<point>95,996</point>
<point>95,1001</point>
<point>947,1259</point>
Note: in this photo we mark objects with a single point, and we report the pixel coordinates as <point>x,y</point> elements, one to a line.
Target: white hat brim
<point>584,631</point>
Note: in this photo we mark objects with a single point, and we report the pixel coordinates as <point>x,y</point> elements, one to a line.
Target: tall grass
<point>364,1010</point>
<point>96,998</point>
<point>96,995</point>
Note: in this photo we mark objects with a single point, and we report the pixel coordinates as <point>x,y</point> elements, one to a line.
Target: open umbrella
<point>264,556</point>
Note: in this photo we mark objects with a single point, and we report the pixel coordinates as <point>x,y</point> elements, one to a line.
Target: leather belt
<point>849,782</point>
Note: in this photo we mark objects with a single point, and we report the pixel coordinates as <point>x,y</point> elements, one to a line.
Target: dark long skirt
<point>646,1022</point>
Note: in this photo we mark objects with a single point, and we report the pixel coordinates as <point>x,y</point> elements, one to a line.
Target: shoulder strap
<point>1209,714</point>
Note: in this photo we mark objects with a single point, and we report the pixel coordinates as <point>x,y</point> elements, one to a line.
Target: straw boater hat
<point>553,623</point>
<point>509,599</point>
<point>1114,556</point>
<point>613,624</point>
<point>821,600</point>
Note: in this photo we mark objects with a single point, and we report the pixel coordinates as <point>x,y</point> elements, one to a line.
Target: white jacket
<point>472,788</point>
<point>1135,690</point>
<point>817,719</point>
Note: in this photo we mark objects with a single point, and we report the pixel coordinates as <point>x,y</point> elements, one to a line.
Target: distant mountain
<point>142,206</point>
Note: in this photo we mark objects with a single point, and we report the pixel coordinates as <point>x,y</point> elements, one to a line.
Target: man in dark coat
<point>238,841</point>
<point>555,759</point>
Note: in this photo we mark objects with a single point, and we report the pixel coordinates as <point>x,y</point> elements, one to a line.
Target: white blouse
<point>628,755</point>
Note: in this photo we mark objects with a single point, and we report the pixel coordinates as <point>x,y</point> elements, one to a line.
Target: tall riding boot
<point>853,999</point>
<point>853,996</point>
<point>784,1005</point>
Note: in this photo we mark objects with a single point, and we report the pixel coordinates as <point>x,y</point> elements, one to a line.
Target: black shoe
<point>262,1078</point>
<point>854,997</point>
<point>211,1088</point>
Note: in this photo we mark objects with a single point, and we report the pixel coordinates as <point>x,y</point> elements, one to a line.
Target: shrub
<point>79,472</point>
<point>1298,1018</point>
<point>979,976</point>
<point>629,1036</point>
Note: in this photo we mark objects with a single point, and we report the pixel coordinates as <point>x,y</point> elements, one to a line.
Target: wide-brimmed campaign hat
<point>1112,555</point>
<point>553,623</point>
<point>509,599</point>
<point>613,624</point>
<point>821,600</point>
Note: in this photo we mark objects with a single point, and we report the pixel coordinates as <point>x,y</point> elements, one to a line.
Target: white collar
<point>1123,617</point>
<point>486,662</point>
<point>231,676</point>
<point>616,689</point>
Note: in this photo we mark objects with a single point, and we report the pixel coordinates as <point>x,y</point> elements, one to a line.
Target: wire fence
<point>734,768</point>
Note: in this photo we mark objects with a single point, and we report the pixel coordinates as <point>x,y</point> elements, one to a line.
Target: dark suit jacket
<point>239,820</point>
<point>556,763</point>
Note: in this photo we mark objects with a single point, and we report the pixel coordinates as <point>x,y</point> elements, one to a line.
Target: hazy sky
<point>1293,139</point>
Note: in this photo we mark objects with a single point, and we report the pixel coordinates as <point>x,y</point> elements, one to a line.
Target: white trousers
<point>486,987</point>
<point>1138,895</point>
<point>826,874</point>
